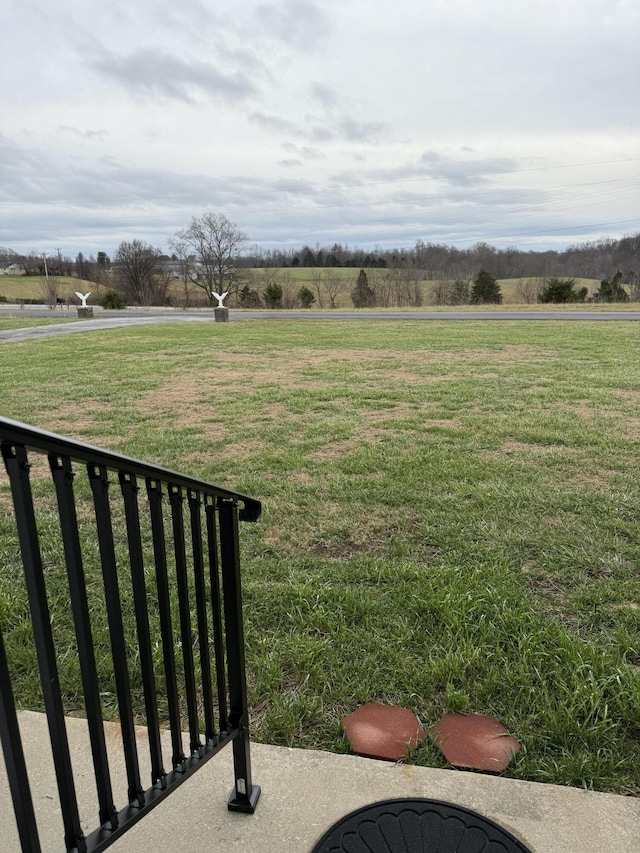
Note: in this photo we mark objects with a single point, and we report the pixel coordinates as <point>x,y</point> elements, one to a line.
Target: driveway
<point>142,317</point>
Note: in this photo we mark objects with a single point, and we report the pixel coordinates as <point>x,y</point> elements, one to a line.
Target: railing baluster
<point>14,761</point>
<point>154,492</point>
<point>129,487</point>
<point>175,498</point>
<point>63,478</point>
<point>100,486</point>
<point>17,465</point>
<point>244,796</point>
<point>195,503</point>
<point>218,638</point>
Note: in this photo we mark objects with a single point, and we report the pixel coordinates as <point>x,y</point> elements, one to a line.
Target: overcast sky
<point>367,122</point>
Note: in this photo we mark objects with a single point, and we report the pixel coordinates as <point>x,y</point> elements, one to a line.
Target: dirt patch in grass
<point>622,605</point>
<point>519,449</point>
<point>340,550</point>
<point>303,478</point>
<point>632,427</point>
<point>186,391</point>
<point>83,423</point>
<point>550,592</point>
<point>242,449</point>
<point>582,408</point>
<point>335,450</point>
<point>523,447</point>
<point>629,395</point>
<point>272,413</point>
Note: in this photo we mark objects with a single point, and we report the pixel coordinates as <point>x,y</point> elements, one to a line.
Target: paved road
<point>140,317</point>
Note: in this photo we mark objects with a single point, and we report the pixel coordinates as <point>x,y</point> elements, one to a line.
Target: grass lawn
<point>31,286</point>
<point>450,516</point>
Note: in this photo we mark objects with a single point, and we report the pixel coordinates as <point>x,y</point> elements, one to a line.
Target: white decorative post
<point>221,313</point>
<point>84,310</point>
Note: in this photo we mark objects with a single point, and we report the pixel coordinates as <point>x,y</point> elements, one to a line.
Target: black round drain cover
<point>417,826</point>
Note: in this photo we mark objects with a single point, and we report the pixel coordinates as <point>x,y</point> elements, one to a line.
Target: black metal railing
<point>133,517</point>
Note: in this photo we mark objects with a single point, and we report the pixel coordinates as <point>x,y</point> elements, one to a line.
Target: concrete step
<point>304,792</point>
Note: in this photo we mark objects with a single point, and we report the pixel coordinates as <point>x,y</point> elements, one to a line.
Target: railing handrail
<point>51,442</point>
<point>195,543</point>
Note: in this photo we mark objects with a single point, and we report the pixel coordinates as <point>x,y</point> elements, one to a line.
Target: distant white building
<point>11,269</point>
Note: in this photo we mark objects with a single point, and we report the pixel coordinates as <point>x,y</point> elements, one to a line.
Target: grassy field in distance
<point>450,518</point>
<point>15,287</point>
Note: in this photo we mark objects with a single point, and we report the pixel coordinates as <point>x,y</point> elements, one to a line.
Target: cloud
<point>85,134</point>
<point>159,74</point>
<point>465,172</point>
<point>52,199</point>
<point>274,123</point>
<point>324,95</point>
<point>298,23</point>
<point>348,129</point>
<point>304,151</point>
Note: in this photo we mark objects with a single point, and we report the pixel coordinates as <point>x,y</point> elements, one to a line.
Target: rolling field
<point>15,287</point>
<point>450,517</point>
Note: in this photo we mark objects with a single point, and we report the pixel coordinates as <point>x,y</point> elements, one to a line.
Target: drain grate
<point>417,826</point>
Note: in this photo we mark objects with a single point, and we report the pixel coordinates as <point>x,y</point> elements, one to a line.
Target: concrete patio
<point>304,793</point>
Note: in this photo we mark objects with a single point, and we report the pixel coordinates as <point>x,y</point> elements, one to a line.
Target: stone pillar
<point>221,314</point>
<point>85,312</point>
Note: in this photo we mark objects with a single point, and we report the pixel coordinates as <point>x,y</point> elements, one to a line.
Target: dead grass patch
<point>290,370</point>
<point>302,478</point>
<point>333,451</point>
<point>582,408</point>
<point>632,427</point>
<point>546,587</point>
<point>629,395</point>
<point>590,480</point>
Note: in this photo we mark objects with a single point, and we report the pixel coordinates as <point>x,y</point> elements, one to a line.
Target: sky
<point>364,122</point>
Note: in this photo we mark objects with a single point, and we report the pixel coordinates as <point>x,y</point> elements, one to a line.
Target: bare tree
<point>50,289</point>
<point>317,280</point>
<point>139,274</point>
<point>333,284</point>
<point>216,243</point>
<point>407,287</point>
<point>382,283</point>
<point>633,278</point>
<point>289,292</point>
<point>186,265</point>
<point>528,289</point>
<point>442,291</point>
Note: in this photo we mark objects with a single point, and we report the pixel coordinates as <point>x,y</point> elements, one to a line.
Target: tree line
<point>212,254</point>
<point>592,259</point>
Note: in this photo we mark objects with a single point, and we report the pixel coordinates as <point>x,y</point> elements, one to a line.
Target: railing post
<point>244,796</point>
<point>218,639</point>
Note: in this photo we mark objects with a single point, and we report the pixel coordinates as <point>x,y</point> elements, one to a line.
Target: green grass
<point>450,516</point>
<point>30,286</point>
